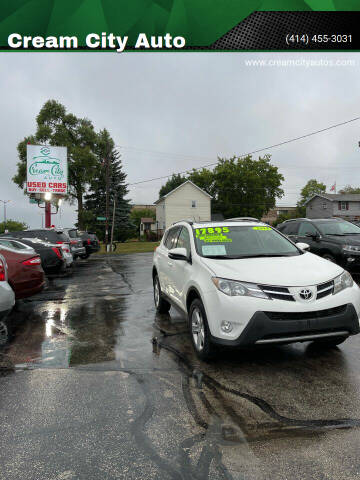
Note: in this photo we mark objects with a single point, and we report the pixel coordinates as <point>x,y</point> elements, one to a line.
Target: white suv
<point>243,283</point>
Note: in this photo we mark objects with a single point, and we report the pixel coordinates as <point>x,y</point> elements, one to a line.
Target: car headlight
<point>351,248</point>
<point>342,281</point>
<point>235,288</point>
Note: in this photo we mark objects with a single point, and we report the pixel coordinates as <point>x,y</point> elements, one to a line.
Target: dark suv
<point>332,238</point>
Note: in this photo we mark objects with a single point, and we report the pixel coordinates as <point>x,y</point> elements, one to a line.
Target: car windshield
<point>242,241</point>
<point>338,228</point>
<point>73,233</point>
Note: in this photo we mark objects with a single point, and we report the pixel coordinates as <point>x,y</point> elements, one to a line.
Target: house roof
<point>337,197</point>
<point>177,188</point>
<point>147,220</point>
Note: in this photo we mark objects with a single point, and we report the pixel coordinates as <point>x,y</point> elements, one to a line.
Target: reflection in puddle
<point>68,333</point>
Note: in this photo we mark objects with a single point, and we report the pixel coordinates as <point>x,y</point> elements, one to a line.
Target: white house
<point>184,202</point>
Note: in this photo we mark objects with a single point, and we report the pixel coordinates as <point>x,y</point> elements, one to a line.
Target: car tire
<point>85,256</point>
<point>4,333</point>
<point>161,305</point>
<point>330,342</point>
<point>199,331</point>
<point>329,257</point>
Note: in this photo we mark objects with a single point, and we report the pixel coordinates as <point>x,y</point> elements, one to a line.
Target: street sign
<point>46,169</point>
<point>101,218</point>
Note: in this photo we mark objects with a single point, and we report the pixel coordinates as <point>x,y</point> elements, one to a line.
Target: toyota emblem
<point>306,294</point>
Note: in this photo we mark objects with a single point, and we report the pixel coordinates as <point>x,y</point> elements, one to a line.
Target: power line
<point>239,156</point>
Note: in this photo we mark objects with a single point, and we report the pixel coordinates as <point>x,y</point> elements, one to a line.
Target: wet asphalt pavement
<point>94,385</point>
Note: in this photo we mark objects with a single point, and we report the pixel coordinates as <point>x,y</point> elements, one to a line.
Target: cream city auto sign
<point>46,169</point>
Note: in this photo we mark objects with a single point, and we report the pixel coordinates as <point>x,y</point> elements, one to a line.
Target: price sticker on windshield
<point>213,234</point>
<point>261,228</point>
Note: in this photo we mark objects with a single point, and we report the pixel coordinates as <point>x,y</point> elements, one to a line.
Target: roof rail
<point>241,219</point>
<point>187,220</point>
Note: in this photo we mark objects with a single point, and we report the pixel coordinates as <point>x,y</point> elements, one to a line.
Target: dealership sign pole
<point>47,174</point>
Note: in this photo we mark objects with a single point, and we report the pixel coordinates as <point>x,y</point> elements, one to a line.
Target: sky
<point>171,112</point>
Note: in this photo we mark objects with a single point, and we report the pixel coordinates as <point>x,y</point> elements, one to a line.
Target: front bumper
<point>241,311</point>
<point>77,251</point>
<point>277,327</point>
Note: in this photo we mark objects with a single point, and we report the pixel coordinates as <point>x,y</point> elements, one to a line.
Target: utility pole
<point>107,160</point>
<point>5,202</point>
<point>112,226</point>
<point>47,199</point>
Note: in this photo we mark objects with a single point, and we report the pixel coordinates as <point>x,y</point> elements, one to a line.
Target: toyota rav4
<point>243,283</point>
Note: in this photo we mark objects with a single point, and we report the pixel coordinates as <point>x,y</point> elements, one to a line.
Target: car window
<point>338,228</point>
<point>290,228</point>
<point>306,227</point>
<point>19,246</point>
<point>6,243</point>
<point>73,233</point>
<point>171,238</point>
<point>184,240</point>
<point>240,242</point>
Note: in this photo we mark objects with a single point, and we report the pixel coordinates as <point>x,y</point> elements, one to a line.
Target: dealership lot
<point>94,383</point>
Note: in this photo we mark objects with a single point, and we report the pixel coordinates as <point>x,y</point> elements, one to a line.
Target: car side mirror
<point>178,254</point>
<point>314,236</point>
<point>303,246</point>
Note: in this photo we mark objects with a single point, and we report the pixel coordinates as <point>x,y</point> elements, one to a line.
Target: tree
<point>350,189</point>
<point>246,187</point>
<point>12,226</point>
<point>175,181</point>
<point>95,200</point>
<point>57,127</point>
<point>312,188</point>
<point>240,186</point>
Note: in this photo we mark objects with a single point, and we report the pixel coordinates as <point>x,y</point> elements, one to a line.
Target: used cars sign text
<point>46,169</point>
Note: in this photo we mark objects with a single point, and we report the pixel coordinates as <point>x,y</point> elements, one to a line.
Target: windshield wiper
<point>268,255</point>
<point>219,256</point>
<point>253,256</point>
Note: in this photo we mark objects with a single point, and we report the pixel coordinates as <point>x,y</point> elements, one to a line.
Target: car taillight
<point>32,261</point>
<point>88,241</point>
<point>2,271</point>
<point>60,243</point>
<point>57,251</point>
<point>73,242</point>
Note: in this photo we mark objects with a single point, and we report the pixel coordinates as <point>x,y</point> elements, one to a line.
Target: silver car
<point>76,244</point>
<point>7,301</point>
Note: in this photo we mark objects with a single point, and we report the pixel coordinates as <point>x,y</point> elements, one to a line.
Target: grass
<point>131,247</point>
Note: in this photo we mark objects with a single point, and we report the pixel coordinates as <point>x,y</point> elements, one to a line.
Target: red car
<point>25,274</point>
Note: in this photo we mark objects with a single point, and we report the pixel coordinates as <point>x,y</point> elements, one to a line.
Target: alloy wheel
<point>156,293</point>
<point>198,329</point>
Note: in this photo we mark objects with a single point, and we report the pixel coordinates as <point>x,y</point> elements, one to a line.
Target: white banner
<point>46,169</point>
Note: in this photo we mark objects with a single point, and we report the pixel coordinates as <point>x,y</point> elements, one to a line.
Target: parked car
<point>244,284</point>
<point>7,301</point>
<point>52,258</point>
<point>25,274</point>
<point>335,239</point>
<point>76,244</point>
<point>90,242</point>
<point>50,235</point>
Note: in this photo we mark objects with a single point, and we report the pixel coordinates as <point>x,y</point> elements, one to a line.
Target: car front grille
<point>306,315</point>
<point>278,293</point>
<point>283,293</point>
<point>325,289</point>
